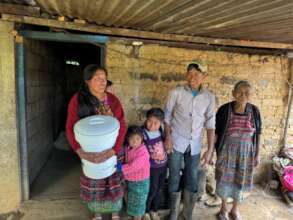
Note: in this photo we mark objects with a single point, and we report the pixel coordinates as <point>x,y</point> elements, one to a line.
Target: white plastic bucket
<point>96,134</point>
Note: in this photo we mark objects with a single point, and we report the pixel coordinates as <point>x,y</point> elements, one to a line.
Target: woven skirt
<point>234,168</point>
<point>137,193</point>
<point>104,195</point>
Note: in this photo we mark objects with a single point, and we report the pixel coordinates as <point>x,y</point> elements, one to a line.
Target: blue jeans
<point>190,171</point>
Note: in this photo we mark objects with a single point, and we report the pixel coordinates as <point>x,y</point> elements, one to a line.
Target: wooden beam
<point>79,21</point>
<point>290,101</point>
<point>63,37</point>
<point>19,10</point>
<point>62,18</point>
<point>142,34</point>
<point>196,46</point>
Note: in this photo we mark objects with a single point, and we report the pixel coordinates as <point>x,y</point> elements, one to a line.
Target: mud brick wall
<point>43,101</point>
<point>10,194</point>
<point>143,76</point>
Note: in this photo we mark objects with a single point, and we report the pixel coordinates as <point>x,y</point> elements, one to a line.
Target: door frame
<point>98,40</point>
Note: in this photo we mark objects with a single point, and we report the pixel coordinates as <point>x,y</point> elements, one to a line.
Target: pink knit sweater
<point>137,167</point>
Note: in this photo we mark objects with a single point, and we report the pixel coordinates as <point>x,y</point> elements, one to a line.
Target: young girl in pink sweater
<point>136,171</point>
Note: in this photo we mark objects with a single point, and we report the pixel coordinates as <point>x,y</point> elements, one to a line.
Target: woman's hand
<point>168,145</point>
<point>86,155</point>
<point>103,156</point>
<point>95,157</point>
<point>256,160</point>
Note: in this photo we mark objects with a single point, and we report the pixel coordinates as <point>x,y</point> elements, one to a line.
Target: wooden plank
<point>195,46</point>
<point>290,100</point>
<point>63,37</point>
<point>79,21</point>
<point>62,18</point>
<point>142,34</point>
<point>19,10</point>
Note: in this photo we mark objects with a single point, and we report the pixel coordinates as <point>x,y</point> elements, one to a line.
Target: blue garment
<point>190,171</point>
<point>119,166</point>
<point>194,93</point>
<point>153,134</point>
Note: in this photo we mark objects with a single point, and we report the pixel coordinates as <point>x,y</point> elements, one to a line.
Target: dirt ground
<point>55,196</point>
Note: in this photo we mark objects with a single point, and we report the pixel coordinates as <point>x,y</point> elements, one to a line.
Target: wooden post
<point>290,99</point>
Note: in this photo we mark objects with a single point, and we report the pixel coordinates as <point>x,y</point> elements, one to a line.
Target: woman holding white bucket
<point>99,195</point>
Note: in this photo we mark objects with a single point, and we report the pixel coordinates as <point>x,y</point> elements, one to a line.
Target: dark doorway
<point>53,72</point>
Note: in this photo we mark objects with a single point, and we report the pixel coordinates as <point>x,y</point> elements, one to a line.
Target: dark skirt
<point>104,195</point>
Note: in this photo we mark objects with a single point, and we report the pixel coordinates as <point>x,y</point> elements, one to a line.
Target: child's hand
<point>119,166</point>
<point>168,145</point>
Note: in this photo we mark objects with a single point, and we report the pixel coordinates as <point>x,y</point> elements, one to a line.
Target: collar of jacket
<point>187,88</point>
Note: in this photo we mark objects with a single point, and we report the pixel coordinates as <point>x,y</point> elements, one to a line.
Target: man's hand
<point>207,158</point>
<point>168,145</point>
<point>208,155</point>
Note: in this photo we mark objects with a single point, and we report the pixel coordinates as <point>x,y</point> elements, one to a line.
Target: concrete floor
<point>55,196</point>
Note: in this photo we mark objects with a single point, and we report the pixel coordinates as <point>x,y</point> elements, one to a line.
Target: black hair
<point>133,130</point>
<point>90,70</point>
<point>159,114</point>
<point>241,83</point>
<point>87,103</point>
<point>156,112</point>
<point>194,66</point>
<point>109,83</point>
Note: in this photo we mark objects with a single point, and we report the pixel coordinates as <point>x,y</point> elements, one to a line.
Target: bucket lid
<point>96,125</point>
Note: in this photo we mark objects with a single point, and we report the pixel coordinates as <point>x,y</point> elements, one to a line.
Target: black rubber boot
<point>175,205</point>
<point>189,200</point>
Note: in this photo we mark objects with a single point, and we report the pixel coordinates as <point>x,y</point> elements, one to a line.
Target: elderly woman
<point>104,195</point>
<point>238,129</point>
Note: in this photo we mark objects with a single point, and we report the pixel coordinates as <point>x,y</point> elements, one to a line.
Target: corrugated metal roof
<point>260,20</point>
